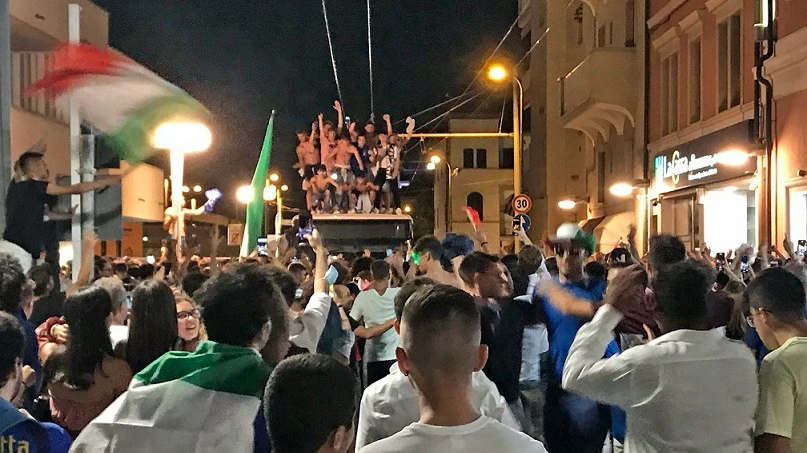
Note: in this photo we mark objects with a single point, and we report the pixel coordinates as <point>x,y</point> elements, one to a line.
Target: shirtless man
<point>319,197</point>
<point>171,217</point>
<point>307,154</point>
<point>327,143</point>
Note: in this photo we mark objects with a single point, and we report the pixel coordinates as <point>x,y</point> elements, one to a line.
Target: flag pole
<point>74,36</point>
<point>5,105</point>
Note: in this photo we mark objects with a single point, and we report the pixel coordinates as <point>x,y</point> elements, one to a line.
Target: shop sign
<point>700,161</point>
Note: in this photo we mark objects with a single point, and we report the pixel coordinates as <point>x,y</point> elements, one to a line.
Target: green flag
<point>252,228</point>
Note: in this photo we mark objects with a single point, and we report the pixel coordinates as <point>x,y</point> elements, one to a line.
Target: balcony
<point>46,21</point>
<point>27,68</point>
<point>601,93</point>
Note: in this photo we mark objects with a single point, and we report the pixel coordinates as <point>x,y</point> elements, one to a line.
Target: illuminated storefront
<point>706,191</point>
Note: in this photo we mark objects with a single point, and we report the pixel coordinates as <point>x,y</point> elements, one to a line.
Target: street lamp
<point>434,161</point>
<point>567,204</point>
<point>499,73</point>
<point>197,189</point>
<point>180,138</point>
<point>274,177</point>
<point>244,194</point>
<point>407,208</point>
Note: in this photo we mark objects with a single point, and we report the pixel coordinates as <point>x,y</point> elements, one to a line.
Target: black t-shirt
<point>503,333</point>
<point>25,215</point>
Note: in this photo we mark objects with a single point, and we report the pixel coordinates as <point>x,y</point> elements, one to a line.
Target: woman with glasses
<point>189,326</point>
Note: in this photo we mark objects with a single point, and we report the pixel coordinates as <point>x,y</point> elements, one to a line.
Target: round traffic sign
<point>522,204</point>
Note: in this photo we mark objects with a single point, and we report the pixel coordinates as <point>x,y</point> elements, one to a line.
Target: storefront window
<point>729,218</point>
<point>798,216</point>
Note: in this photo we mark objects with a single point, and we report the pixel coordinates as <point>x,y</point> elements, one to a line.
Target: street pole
<point>76,170</point>
<point>518,98</point>
<point>5,105</point>
<point>279,214</point>
<point>177,158</point>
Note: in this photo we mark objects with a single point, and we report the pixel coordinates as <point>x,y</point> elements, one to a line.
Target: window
<point>695,81</point>
<point>468,158</point>
<point>728,62</point>
<point>578,19</point>
<point>507,158</point>
<point>630,19</point>
<point>476,201</point>
<point>481,158</point>
<point>610,33</point>
<point>601,37</point>
<point>669,94</point>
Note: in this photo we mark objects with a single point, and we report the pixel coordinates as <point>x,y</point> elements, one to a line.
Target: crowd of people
<point>347,168</point>
<point>439,347</point>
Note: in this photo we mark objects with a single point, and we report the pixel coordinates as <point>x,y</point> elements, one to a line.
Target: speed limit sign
<point>522,204</point>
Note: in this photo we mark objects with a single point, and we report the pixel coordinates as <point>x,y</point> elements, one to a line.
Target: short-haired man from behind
<point>691,389</point>
<point>310,405</point>
<point>18,432</point>
<point>441,349</point>
<point>391,404</point>
<point>777,301</point>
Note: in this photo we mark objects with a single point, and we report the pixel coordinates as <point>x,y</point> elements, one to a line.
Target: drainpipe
<point>645,150</point>
<point>770,38</point>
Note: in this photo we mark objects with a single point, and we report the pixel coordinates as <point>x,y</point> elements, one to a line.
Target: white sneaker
<point>398,211</point>
<point>374,211</point>
<point>352,211</point>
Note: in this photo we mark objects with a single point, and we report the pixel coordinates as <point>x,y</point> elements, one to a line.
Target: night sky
<point>243,58</point>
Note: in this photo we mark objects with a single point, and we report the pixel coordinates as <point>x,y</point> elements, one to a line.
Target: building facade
<point>587,110</point>
<point>37,28</point>
<point>720,179</point>
<point>475,172</point>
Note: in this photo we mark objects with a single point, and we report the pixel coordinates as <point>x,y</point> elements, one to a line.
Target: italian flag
<point>117,97</point>
<point>203,402</point>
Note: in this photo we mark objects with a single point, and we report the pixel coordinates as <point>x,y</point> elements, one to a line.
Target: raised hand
<point>337,106</point>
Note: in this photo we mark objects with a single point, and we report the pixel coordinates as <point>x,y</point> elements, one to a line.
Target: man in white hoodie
<point>391,404</point>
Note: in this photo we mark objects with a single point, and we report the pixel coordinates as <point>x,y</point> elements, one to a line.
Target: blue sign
<point>521,222</point>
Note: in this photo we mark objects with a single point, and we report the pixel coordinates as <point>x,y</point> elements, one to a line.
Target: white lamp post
<point>180,138</point>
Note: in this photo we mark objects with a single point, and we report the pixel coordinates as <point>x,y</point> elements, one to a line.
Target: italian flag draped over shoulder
<point>202,402</point>
<point>117,97</point>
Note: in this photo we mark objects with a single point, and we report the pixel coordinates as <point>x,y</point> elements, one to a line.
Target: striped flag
<point>117,97</point>
<point>201,402</point>
<point>254,221</point>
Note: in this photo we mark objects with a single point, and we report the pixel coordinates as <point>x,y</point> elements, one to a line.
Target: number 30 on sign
<point>522,204</point>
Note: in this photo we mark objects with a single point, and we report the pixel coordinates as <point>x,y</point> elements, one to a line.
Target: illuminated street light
<point>621,189</point>
<point>567,204</point>
<point>435,159</point>
<point>245,194</point>
<point>431,166</point>
<point>145,238</point>
<point>180,138</point>
<point>197,188</point>
<point>274,177</point>
<point>284,188</point>
<point>269,192</point>
<point>497,73</point>
<point>407,208</point>
<point>186,189</point>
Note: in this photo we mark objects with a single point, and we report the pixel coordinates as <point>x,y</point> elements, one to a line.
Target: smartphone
<point>801,248</point>
<point>774,263</point>
<point>129,301</point>
<point>720,261</point>
<point>744,265</point>
<point>150,259</point>
<point>389,252</point>
<point>262,242</point>
<point>347,120</point>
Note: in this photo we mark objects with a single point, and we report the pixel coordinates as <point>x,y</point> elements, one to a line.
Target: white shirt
<point>306,328</point>
<point>484,435</point>
<point>391,404</point>
<point>118,334</point>
<point>376,309</point>
<point>685,391</point>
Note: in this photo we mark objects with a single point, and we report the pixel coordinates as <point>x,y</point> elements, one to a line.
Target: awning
<point>612,229</point>
<point>588,225</point>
